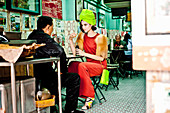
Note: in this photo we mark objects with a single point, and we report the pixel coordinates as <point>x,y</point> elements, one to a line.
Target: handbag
<point>105,77</point>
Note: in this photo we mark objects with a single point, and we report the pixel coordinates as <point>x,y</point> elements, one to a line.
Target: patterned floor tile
<point>130,98</point>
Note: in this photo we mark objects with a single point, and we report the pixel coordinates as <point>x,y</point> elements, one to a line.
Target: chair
<point>127,68</point>
<point>96,82</point>
<point>115,57</point>
<point>137,72</point>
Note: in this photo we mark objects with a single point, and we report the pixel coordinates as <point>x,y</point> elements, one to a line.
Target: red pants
<point>85,71</point>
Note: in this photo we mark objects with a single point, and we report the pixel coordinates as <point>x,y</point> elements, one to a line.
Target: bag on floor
<point>105,77</point>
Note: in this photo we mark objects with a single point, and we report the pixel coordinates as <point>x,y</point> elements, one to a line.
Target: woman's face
<point>86,26</point>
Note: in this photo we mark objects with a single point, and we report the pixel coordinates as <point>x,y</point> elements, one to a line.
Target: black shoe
<point>53,109</point>
<point>74,111</point>
<point>77,111</point>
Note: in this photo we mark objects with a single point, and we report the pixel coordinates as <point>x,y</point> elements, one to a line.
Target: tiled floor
<point>130,98</point>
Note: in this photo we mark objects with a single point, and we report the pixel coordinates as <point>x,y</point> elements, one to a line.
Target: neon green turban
<point>88,16</point>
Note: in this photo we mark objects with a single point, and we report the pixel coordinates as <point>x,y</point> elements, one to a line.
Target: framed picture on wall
<point>15,21</point>
<point>79,7</point>
<point>126,26</point>
<point>52,8</point>
<point>91,7</point>
<point>33,22</point>
<point>3,4</point>
<point>3,20</point>
<point>101,20</point>
<point>29,6</point>
<point>85,5</point>
<point>25,22</point>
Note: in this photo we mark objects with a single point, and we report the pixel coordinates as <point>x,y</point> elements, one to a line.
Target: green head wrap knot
<point>88,16</point>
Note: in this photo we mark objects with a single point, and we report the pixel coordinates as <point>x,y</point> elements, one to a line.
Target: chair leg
<point>96,82</point>
<point>112,81</point>
<point>114,84</point>
<point>121,75</point>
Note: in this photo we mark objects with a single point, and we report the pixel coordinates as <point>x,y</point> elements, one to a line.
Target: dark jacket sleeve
<point>124,45</point>
<point>53,49</point>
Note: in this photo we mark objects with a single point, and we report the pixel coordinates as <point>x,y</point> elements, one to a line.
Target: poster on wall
<point>126,26</point>
<point>91,7</point>
<point>101,20</point>
<point>52,8</point>
<point>32,22</point>
<point>15,21</point>
<point>60,32</point>
<point>3,20</point>
<point>25,22</point>
<point>79,7</point>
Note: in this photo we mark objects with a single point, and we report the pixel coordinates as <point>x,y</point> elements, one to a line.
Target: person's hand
<point>72,35</point>
<point>80,52</point>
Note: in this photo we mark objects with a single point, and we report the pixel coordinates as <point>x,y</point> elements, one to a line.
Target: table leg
<point>28,73</point>
<point>59,87</point>
<point>13,88</point>
<point>82,59</point>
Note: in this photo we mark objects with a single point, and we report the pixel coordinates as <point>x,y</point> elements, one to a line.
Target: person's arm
<point>95,57</point>
<point>53,49</point>
<point>124,45</point>
<point>79,41</point>
<point>73,35</point>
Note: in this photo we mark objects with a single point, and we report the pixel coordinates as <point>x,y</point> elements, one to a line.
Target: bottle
<point>77,47</point>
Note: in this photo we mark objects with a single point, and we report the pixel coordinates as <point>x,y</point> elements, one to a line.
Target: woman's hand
<point>72,35</point>
<point>80,52</point>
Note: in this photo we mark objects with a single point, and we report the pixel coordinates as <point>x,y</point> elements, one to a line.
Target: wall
<point>112,26</point>
<point>68,7</point>
<point>68,13</point>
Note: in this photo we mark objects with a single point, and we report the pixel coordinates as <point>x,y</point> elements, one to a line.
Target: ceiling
<point>117,3</point>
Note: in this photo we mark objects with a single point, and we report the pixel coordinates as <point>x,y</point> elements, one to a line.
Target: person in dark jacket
<point>46,74</point>
<point>118,43</point>
<point>3,38</point>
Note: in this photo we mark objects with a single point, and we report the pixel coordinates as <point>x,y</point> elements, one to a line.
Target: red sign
<point>52,8</point>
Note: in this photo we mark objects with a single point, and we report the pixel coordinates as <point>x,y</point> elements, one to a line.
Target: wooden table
<point>27,62</point>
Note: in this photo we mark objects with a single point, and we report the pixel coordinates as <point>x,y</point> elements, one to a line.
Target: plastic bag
<point>105,77</point>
